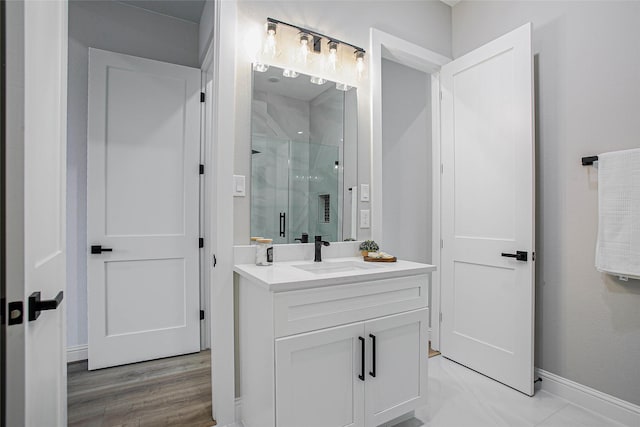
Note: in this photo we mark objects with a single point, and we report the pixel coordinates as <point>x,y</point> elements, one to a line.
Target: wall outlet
<point>364,192</point>
<point>238,186</point>
<point>365,218</point>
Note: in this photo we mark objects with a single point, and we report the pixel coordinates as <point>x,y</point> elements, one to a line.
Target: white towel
<point>618,247</point>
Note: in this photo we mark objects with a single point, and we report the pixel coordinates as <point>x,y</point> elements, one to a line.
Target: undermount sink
<point>336,267</point>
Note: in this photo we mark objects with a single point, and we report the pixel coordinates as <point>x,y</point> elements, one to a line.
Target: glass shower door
<point>270,189</point>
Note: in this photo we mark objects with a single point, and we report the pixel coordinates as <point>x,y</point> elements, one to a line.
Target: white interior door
<point>317,382</point>
<point>143,185</point>
<point>488,210</point>
<point>36,371</point>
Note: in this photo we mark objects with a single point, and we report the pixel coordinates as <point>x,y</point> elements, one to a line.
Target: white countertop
<point>283,276</point>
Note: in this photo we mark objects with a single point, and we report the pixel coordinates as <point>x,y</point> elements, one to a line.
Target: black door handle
<point>519,255</point>
<point>361,376</point>
<point>373,355</point>
<point>98,249</point>
<point>283,224</point>
<point>36,305</point>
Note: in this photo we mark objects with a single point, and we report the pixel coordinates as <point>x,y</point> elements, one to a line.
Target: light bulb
<point>333,55</point>
<point>359,63</point>
<point>317,80</point>
<point>304,47</point>
<point>270,42</point>
<point>261,68</point>
<point>289,73</point>
<point>342,86</point>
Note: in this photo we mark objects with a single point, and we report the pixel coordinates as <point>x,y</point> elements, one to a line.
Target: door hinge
<point>16,313</point>
<point>441,168</point>
<point>440,317</point>
<point>441,244</point>
<point>201,96</point>
<point>201,314</point>
<point>201,169</point>
<point>201,242</point>
<point>215,261</point>
<point>440,95</point>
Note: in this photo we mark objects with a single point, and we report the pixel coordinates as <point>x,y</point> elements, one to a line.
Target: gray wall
<point>124,29</point>
<point>426,23</point>
<point>587,102</point>
<point>406,162</point>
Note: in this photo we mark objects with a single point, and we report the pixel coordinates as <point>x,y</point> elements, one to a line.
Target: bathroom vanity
<point>332,344</point>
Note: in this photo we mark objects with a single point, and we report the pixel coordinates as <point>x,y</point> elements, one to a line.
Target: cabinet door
<point>317,383</point>
<point>397,382</point>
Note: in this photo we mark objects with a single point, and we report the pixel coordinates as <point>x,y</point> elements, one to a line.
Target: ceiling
<point>188,10</point>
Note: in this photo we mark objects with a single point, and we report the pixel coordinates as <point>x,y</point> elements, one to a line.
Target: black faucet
<point>304,238</point>
<point>318,246</point>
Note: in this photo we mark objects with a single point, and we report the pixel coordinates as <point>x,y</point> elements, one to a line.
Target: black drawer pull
<point>361,376</point>
<point>373,355</point>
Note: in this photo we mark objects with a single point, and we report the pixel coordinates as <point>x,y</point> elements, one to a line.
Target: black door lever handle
<point>36,305</point>
<point>519,255</point>
<point>98,249</point>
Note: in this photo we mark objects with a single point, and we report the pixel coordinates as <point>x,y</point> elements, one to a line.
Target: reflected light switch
<point>364,192</point>
<point>365,218</point>
<point>238,186</point>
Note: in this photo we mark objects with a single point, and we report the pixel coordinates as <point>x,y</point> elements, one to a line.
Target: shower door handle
<point>283,224</point>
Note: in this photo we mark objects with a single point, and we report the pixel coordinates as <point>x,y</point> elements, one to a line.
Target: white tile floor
<point>460,397</point>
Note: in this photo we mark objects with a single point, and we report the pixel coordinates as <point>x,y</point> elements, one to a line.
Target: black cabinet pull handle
<point>519,255</point>
<point>373,355</point>
<point>283,224</point>
<point>36,305</point>
<point>361,376</point>
<point>98,249</point>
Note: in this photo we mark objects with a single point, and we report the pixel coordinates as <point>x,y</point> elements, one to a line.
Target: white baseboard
<point>596,401</point>
<point>77,352</point>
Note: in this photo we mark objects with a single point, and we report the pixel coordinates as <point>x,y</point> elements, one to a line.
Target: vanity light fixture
<point>310,42</point>
<point>359,54</point>
<point>333,55</point>
<point>289,73</point>
<point>317,80</point>
<point>342,86</point>
<point>270,42</point>
<point>304,47</point>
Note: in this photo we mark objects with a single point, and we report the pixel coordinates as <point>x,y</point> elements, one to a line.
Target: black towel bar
<point>588,161</point>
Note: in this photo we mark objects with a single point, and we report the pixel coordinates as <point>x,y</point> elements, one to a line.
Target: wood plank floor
<point>175,391</point>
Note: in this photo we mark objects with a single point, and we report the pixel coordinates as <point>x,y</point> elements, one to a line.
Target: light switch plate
<point>364,192</point>
<point>238,186</point>
<point>365,218</point>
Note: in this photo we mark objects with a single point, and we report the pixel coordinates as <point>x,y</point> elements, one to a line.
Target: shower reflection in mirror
<point>304,157</point>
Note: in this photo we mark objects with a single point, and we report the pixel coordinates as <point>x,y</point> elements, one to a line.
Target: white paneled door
<point>45,139</point>
<point>142,209</point>
<point>488,210</point>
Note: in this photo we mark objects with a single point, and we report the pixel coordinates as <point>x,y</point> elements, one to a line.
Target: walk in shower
<point>297,188</point>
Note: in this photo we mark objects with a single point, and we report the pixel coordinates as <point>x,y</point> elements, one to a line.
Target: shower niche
<point>303,157</point>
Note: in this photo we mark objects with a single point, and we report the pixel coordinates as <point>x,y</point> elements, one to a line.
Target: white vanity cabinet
<point>331,378</point>
<point>353,354</point>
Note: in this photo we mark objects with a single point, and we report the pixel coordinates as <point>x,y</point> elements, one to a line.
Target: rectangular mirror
<point>304,149</point>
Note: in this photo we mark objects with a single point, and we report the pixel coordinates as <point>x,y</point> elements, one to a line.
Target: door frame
<point>219,80</point>
<point>387,46</point>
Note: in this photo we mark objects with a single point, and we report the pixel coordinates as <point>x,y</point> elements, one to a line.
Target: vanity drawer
<point>312,309</point>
